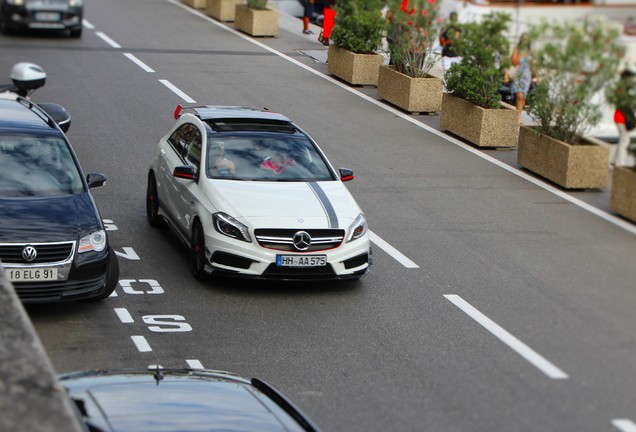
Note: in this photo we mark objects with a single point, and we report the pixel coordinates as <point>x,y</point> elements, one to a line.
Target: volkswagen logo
<point>29,254</point>
<point>302,240</point>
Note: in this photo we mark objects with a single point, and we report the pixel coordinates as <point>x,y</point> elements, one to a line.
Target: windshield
<point>272,158</point>
<point>37,166</point>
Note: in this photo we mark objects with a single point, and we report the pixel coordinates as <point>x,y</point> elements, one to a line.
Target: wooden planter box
<point>411,94</point>
<point>222,10</point>
<point>482,127</point>
<point>256,22</point>
<point>197,4</point>
<point>623,195</point>
<point>581,166</point>
<point>356,69</point>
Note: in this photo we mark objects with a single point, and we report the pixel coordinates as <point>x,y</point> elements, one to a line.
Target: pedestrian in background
<point>307,15</point>
<point>328,22</point>
<point>448,35</point>
<point>623,97</point>
<point>521,72</point>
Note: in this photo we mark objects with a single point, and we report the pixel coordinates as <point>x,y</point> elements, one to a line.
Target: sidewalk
<point>291,27</point>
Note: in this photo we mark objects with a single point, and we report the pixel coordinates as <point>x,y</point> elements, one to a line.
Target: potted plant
<point>622,95</point>
<point>356,37</point>
<point>472,107</point>
<point>413,29</point>
<point>574,61</point>
<point>255,19</point>
<point>222,10</point>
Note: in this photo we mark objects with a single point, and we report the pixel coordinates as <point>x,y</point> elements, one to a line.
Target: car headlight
<point>227,225</point>
<point>357,228</point>
<point>75,3</point>
<point>16,2</point>
<point>95,241</point>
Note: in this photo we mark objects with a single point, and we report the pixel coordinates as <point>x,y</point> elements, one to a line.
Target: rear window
<point>37,166</point>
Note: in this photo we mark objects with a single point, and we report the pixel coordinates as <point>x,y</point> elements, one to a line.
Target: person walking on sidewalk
<point>307,15</point>
<point>623,96</point>
<point>329,20</point>
<point>449,34</point>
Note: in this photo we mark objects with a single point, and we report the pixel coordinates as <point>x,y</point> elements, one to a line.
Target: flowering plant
<point>483,48</point>
<point>414,27</point>
<point>574,61</point>
<point>359,25</point>
<point>257,4</point>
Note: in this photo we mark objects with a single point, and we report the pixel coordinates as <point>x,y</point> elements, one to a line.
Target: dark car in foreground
<point>179,400</point>
<point>42,15</point>
<point>53,244</point>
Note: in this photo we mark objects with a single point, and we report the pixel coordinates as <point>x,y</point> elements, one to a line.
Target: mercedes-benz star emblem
<point>29,254</point>
<point>302,240</point>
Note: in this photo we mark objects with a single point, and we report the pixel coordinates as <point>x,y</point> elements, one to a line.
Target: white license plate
<point>301,260</point>
<point>47,16</point>
<point>32,274</point>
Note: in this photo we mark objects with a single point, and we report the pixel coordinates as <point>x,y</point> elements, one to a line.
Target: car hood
<point>175,403</point>
<point>46,219</point>
<point>325,204</point>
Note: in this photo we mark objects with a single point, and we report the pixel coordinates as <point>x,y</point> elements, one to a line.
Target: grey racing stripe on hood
<point>326,204</point>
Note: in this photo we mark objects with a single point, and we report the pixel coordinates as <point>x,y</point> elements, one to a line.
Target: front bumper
<point>237,258</point>
<point>21,18</point>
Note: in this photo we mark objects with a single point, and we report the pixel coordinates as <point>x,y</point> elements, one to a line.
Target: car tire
<point>76,33</point>
<point>152,202</point>
<point>197,253</point>
<point>112,276</point>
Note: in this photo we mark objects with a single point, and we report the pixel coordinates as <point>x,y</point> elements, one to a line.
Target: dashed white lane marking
<point>397,255</point>
<point>624,425</point>
<point>195,364</point>
<point>141,343</point>
<point>108,40</point>
<point>522,349</point>
<point>88,24</point>
<point>139,63</point>
<point>178,92</point>
<point>124,315</point>
<point>537,182</point>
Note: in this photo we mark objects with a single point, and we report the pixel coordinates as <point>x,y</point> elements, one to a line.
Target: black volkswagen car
<point>42,15</point>
<point>180,400</point>
<point>53,245</point>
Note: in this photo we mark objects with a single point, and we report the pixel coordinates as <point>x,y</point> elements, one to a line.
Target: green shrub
<point>574,61</point>
<point>412,35</point>
<point>483,48</point>
<point>257,4</point>
<point>359,25</point>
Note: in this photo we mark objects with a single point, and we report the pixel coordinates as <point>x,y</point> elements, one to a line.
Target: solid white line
<point>141,343</point>
<point>624,425</point>
<point>522,349</point>
<point>178,92</point>
<point>537,182</point>
<point>139,63</point>
<point>108,40</point>
<point>124,315</point>
<point>195,364</point>
<point>397,255</point>
<point>88,24</point>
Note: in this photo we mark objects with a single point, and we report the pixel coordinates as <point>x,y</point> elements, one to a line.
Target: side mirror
<point>95,180</point>
<point>346,174</point>
<point>58,113</point>
<point>185,172</point>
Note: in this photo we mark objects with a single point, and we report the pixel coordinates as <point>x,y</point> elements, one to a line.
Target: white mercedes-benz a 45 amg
<point>252,195</point>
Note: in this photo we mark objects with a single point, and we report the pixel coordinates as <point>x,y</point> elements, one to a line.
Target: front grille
<point>283,239</point>
<point>47,253</point>
<point>57,290</point>
<point>309,273</point>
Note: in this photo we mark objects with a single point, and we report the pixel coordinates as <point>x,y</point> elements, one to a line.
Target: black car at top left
<point>42,15</point>
<point>53,244</point>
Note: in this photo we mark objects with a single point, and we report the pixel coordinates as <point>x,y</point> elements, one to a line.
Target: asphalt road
<point>493,303</point>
